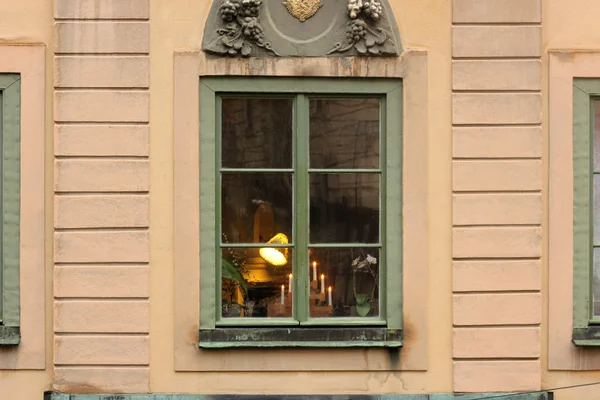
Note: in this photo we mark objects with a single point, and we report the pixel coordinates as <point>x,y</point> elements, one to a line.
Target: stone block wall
<point>497,200</point>
<point>101,186</point>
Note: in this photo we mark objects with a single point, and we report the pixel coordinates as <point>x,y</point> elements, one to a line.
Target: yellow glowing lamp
<point>277,257</point>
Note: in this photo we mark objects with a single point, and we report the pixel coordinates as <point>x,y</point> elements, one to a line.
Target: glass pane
<point>344,133</point>
<point>251,287</point>
<point>344,208</point>
<point>346,284</point>
<point>257,133</point>
<point>255,207</point>
<point>597,135</point>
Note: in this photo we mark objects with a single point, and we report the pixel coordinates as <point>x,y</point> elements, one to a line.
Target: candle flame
<point>329,289</point>
<point>322,276</point>
<point>291,275</point>
<point>314,263</point>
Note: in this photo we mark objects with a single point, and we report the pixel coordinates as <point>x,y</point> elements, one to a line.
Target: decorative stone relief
<point>301,28</point>
<point>363,33</point>
<point>241,29</point>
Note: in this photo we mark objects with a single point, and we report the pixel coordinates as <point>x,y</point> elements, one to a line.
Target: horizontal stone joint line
<point>485,226</point>
<point>93,54</point>
<point>76,21</point>
<point>501,23</point>
<point>496,326</point>
<point>493,359</point>
<point>102,192</point>
<point>498,125</point>
<point>496,258</point>
<point>496,158</point>
<point>102,229</point>
<point>100,123</point>
<point>92,335</point>
<point>525,191</point>
<point>65,365</point>
<point>102,157</point>
<point>101,299</point>
<point>101,367</point>
<point>102,263</point>
<point>499,58</point>
<point>496,91</point>
<point>101,19</point>
<point>112,89</point>
<point>496,292</point>
<point>96,194</point>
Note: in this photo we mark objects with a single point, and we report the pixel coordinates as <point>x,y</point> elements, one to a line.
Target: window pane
<point>251,287</point>
<point>344,133</point>
<point>256,133</point>
<point>255,206</point>
<point>344,208</point>
<point>353,276</point>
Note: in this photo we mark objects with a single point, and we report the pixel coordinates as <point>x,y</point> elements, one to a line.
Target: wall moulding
<point>301,28</point>
<point>189,67</point>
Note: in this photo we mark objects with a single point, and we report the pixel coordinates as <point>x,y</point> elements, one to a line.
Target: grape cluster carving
<point>362,32</point>
<point>241,29</point>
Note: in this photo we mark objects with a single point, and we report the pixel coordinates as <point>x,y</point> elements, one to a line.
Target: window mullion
<point>301,208</point>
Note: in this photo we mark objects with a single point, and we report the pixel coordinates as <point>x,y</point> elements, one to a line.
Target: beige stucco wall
<point>567,25</point>
<point>30,22</point>
<point>178,26</point>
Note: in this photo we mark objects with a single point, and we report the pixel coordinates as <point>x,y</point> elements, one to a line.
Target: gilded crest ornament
<point>302,9</point>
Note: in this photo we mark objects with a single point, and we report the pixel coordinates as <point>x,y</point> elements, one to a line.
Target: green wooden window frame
<point>384,331</point>
<point>10,122</point>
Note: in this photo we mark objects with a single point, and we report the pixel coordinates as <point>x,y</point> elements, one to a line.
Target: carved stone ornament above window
<point>301,28</point>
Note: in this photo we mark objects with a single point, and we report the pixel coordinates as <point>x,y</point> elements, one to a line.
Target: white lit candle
<point>329,295</point>
<point>290,283</point>
<point>322,283</point>
<point>314,270</point>
<point>282,294</point>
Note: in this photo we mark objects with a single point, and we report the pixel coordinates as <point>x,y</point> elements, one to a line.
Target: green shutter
<point>10,85</point>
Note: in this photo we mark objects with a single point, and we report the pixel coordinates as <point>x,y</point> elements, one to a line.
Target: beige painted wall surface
<point>567,24</point>
<point>30,22</point>
<point>178,26</point>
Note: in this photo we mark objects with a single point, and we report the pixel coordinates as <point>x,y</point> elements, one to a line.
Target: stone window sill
<point>225,337</point>
<point>589,336</point>
<point>9,336</point>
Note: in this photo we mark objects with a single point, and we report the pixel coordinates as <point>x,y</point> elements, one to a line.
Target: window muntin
<point>334,148</point>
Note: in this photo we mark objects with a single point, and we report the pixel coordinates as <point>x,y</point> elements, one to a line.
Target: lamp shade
<point>275,256</point>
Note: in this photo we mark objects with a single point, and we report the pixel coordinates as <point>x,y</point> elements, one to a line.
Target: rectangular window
<point>300,212</point>
<point>10,114</point>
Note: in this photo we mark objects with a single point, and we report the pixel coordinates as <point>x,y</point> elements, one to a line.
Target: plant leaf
<point>363,304</point>
<point>229,271</point>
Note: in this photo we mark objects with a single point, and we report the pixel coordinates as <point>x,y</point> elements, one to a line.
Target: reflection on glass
<point>344,133</point>
<point>344,282</point>
<point>255,206</point>
<point>344,208</point>
<point>253,288</point>
<point>256,133</point>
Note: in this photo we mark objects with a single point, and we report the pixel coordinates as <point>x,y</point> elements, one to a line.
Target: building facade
<point>423,173</point>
